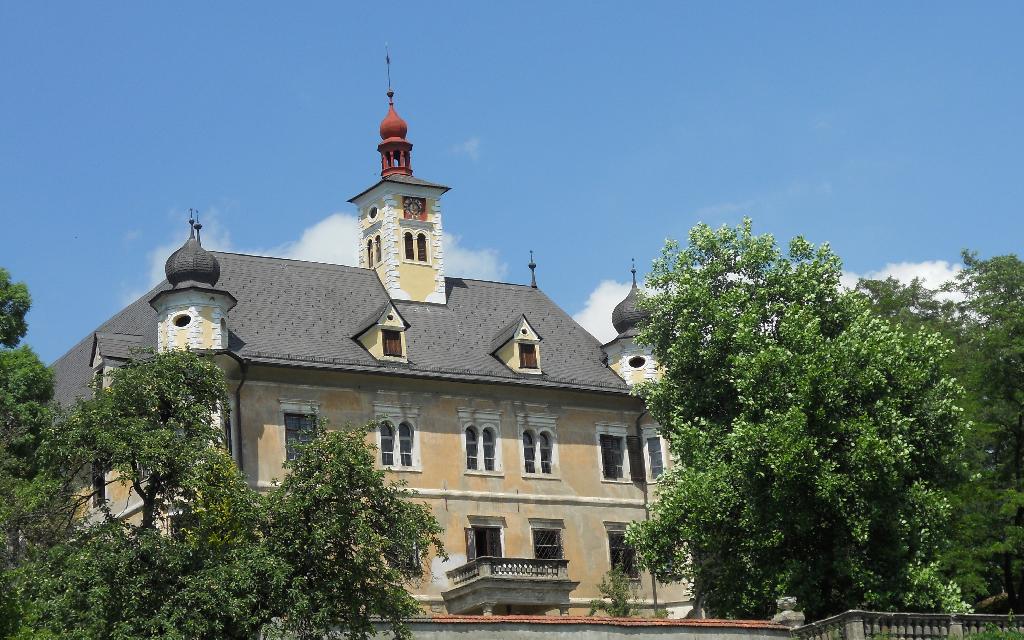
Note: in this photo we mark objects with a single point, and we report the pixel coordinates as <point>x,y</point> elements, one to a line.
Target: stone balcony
<point>509,585</point>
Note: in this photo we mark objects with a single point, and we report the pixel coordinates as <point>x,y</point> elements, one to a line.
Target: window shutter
<point>392,343</point>
<point>635,447</point>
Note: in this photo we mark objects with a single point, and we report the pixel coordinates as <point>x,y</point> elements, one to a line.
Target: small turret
<point>192,314</point>
<point>631,361</point>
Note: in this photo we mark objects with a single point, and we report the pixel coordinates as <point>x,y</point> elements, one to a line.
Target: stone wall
<point>589,628</point>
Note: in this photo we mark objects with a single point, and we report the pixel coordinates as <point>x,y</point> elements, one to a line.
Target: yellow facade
<point>574,494</point>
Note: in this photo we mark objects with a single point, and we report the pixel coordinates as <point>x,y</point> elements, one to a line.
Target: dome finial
<point>627,314</point>
<point>632,269</point>
<point>533,271</point>
<point>191,264</point>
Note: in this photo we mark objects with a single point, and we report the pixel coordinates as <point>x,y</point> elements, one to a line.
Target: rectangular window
<point>483,541</point>
<point>622,555</point>
<point>298,429</point>
<point>527,356</point>
<point>611,456</point>
<point>547,544</point>
<point>99,484</point>
<point>654,453</point>
<point>392,342</point>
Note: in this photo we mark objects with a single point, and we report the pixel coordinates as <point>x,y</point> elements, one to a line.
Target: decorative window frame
<point>293,405</point>
<point>481,419</point>
<point>396,414</point>
<point>538,423</point>
<point>613,429</point>
<point>653,431</point>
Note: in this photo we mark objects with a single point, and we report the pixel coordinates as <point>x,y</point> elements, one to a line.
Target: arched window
<point>387,444</point>
<point>488,438</point>
<point>421,247</point>
<point>544,440</point>
<point>405,444</point>
<point>408,247</point>
<point>529,452</point>
<point>471,448</point>
<point>376,246</point>
<point>369,253</point>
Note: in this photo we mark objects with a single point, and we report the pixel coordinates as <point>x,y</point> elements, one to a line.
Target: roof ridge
<point>270,257</point>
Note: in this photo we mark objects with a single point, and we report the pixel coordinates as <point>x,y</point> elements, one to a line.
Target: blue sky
<point>587,131</point>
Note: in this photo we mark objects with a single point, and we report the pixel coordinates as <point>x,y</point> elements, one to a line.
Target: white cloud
<point>596,315</point>
<point>334,239</point>
<point>483,264</point>
<point>932,273</point>
<point>469,147</point>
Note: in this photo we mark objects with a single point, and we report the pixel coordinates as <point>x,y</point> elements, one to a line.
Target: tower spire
<point>533,271</point>
<point>395,150</point>
<point>632,270</point>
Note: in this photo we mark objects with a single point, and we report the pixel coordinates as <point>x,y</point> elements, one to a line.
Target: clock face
<point>415,208</point>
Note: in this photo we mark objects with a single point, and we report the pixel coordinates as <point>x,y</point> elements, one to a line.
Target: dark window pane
<point>405,444</point>
<point>471,448</point>
<point>487,541</point>
<point>527,356</point>
<point>654,452</point>
<point>611,456</point>
<point>392,342</point>
<point>421,248</point>
<point>622,555</point>
<point>408,246</point>
<point>547,544</point>
<point>488,450</point>
<point>299,429</point>
<point>387,445</point>
<point>99,484</point>
<point>529,453</point>
<point>545,452</point>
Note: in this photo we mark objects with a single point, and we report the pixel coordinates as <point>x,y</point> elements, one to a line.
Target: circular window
<point>637,361</point>
<point>391,317</point>
<point>373,212</point>
<point>182,320</point>
<point>523,331</point>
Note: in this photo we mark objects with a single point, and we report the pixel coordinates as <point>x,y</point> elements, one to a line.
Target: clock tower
<point>401,236</point>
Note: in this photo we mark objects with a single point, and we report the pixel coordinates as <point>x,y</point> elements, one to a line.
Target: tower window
<point>369,253</point>
<point>408,247</point>
<point>527,356</point>
<point>392,342</point>
<point>637,361</point>
<point>182,320</point>
<point>471,448</point>
<point>376,248</point>
<point>421,247</point>
<point>373,212</point>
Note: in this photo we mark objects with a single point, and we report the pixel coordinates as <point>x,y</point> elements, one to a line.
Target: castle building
<point>510,420</point>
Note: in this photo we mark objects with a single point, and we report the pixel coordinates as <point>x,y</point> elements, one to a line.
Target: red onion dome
<point>392,126</point>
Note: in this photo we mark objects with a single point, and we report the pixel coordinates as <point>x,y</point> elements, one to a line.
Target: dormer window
<point>527,356</point>
<point>518,347</point>
<point>384,336</point>
<point>392,343</point>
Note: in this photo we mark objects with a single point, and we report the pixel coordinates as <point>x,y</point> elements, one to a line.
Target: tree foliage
<point>813,439</point>
<point>194,552</point>
<point>620,597</point>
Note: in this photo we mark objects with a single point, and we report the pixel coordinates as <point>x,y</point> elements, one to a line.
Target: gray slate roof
<point>306,314</point>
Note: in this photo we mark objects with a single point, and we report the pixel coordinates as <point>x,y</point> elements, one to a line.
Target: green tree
<point>989,556</point>
<point>813,439</point>
<point>194,552</point>
<point>26,386</point>
<point>619,596</point>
